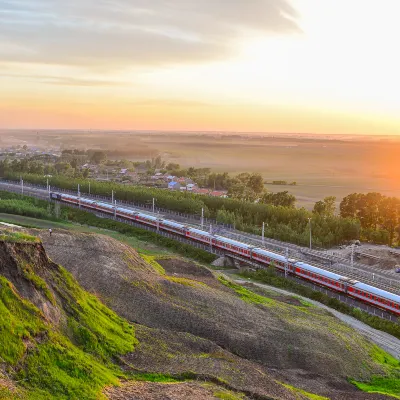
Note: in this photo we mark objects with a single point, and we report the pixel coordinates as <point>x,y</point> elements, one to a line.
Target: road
<point>385,280</point>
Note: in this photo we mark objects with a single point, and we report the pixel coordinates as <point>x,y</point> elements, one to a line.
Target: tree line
<point>379,215</point>
<point>284,223</point>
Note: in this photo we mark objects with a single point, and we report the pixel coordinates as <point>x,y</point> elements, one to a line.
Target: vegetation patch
<point>95,328</point>
<point>390,384</point>
<point>303,393</point>
<point>151,260</point>
<point>245,294</point>
<point>184,281</point>
<point>225,395</point>
<point>73,363</point>
<point>20,322</point>
<point>37,281</point>
<point>9,236</point>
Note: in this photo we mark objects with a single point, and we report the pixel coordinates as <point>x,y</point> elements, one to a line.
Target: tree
<point>389,209</point>
<point>99,157</point>
<point>256,183</point>
<point>172,166</point>
<point>283,199</point>
<point>349,206</point>
<point>326,207</point>
<point>62,167</point>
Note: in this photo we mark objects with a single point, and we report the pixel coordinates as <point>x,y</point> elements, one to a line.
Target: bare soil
<point>134,390</point>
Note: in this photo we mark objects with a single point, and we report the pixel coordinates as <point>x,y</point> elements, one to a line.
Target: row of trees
<point>379,215</point>
<point>284,223</point>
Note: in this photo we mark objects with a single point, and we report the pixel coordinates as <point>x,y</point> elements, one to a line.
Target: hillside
<point>189,322</point>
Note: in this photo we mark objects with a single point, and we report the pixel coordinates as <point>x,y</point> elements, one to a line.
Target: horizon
<point>282,66</point>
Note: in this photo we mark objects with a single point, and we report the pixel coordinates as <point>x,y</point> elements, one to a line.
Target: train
<point>339,283</point>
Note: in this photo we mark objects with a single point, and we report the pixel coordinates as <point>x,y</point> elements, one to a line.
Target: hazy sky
<point>323,66</point>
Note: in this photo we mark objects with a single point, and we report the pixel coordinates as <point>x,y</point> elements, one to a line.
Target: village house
<point>174,185</point>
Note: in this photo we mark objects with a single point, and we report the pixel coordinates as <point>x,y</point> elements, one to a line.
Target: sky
<point>301,66</point>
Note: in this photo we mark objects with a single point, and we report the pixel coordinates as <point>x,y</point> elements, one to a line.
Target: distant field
<point>321,166</point>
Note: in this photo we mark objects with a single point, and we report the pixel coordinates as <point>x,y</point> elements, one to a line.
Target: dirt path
<point>382,339</point>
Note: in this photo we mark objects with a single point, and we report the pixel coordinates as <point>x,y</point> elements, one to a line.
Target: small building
<point>190,186</point>
<point>174,185</point>
<point>201,191</point>
<point>219,193</point>
<point>123,171</point>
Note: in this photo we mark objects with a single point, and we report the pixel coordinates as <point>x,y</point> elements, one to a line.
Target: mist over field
<point>321,165</point>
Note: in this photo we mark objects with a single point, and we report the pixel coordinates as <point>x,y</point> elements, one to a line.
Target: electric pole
<point>22,186</point>
<point>263,232</point>
<point>286,261</point>
<point>202,217</point>
<point>309,220</point>
<point>153,204</point>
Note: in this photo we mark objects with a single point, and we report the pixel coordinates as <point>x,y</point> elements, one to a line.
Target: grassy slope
<point>74,362</point>
<point>389,384</point>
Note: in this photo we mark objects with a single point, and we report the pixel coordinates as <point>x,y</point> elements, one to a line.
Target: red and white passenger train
<point>358,290</point>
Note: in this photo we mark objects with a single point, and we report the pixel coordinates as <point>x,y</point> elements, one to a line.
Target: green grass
<point>38,282</point>
<point>155,377</point>
<point>184,281</point>
<point>9,236</point>
<point>151,260</point>
<point>219,394</point>
<point>303,393</point>
<point>390,384</point>
<point>95,328</point>
<point>245,294</point>
<point>74,362</point>
<point>19,321</point>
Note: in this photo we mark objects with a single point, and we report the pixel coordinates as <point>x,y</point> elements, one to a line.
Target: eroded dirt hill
<point>189,321</point>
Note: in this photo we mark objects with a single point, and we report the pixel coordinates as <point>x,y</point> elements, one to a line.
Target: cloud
<point>117,33</point>
<point>63,80</point>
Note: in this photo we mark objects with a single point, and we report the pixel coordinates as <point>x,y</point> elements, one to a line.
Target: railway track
<point>360,272</point>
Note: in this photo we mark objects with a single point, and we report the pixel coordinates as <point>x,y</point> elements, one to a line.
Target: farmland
<point>321,166</point>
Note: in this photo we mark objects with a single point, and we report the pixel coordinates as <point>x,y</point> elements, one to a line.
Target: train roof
<point>317,270</point>
<point>199,232</point>
<point>232,242</point>
<point>378,292</point>
<point>172,223</point>
<point>147,216</point>
<point>269,254</point>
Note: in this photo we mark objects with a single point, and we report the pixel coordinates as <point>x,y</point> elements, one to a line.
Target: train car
<point>199,235</point>
<point>377,297</point>
<point>146,219</point>
<point>172,226</point>
<point>319,276</point>
<point>233,246</point>
<point>127,213</point>
<point>267,257</point>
